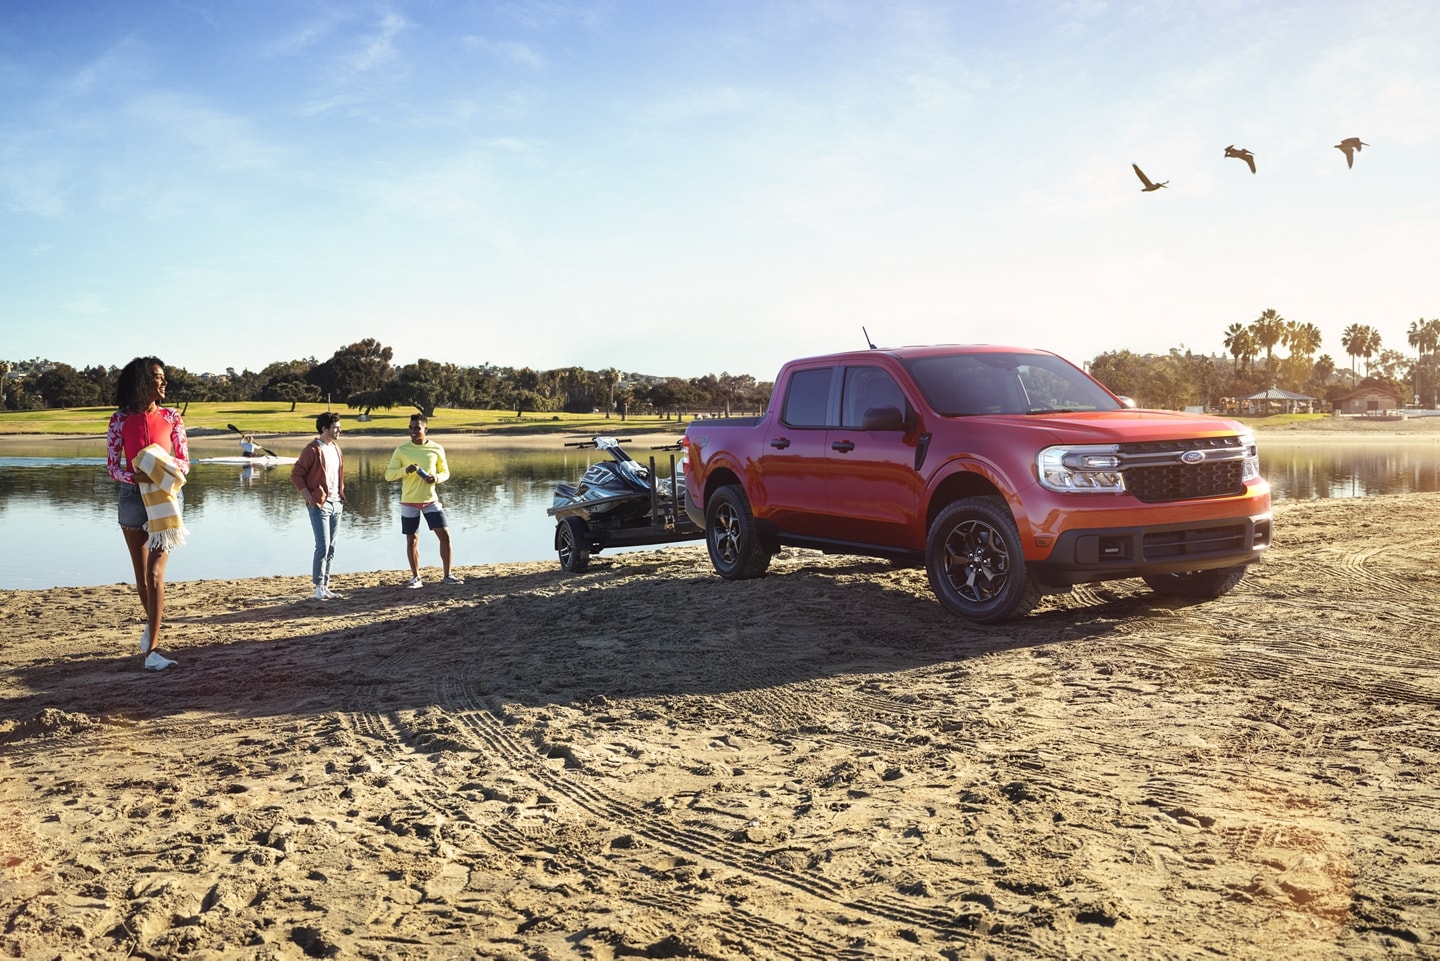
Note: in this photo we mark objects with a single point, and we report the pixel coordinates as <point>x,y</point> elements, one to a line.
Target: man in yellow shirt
<point>420,466</point>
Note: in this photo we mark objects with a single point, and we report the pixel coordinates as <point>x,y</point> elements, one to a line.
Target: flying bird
<point>1350,146</point>
<point>1146,180</point>
<point>1241,154</point>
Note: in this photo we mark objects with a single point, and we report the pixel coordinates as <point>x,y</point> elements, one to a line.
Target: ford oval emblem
<point>1192,456</point>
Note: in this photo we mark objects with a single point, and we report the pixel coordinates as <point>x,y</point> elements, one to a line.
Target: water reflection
<point>57,507</point>
<point>1304,471</point>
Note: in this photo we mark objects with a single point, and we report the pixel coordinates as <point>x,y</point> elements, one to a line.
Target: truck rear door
<point>790,485</point>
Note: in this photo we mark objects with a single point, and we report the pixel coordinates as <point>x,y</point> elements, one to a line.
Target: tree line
<point>1183,378</point>
<point>362,376</point>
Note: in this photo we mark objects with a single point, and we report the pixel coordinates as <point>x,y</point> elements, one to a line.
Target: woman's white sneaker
<point>157,663</point>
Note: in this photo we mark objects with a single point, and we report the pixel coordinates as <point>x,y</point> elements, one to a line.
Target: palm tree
<point>1303,339</point>
<point>1425,338</point>
<point>1239,343</point>
<point>1268,330</point>
<point>1352,338</point>
<point>1370,346</point>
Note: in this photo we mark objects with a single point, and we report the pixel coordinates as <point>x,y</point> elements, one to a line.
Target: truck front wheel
<point>730,536</point>
<point>976,566</point>
<point>1197,585</point>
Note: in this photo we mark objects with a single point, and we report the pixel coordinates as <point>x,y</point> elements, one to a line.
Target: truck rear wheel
<point>731,537</point>
<point>1199,585</point>
<point>572,543</point>
<point>975,562</point>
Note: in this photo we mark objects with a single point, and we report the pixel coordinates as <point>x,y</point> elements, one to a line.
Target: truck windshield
<point>960,385</point>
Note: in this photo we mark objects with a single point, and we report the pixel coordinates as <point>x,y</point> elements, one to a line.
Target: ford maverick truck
<point>1008,473</point>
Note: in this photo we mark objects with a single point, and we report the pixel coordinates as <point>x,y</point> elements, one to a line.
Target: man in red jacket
<point>319,474</point>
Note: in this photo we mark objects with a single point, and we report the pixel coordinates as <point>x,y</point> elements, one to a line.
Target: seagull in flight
<point>1241,154</point>
<point>1350,146</point>
<point>1146,180</point>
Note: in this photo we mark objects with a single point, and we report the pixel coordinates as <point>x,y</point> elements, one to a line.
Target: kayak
<point>238,460</point>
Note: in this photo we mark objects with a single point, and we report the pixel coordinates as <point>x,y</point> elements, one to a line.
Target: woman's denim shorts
<point>132,507</point>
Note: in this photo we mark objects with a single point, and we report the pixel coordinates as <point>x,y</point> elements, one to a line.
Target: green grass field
<point>275,417</point>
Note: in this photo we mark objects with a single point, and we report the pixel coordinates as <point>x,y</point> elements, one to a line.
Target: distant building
<point>1370,399</point>
<point>1277,401</point>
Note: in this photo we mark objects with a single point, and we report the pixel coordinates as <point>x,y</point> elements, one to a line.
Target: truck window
<point>867,388</point>
<point>962,384</point>
<point>807,398</point>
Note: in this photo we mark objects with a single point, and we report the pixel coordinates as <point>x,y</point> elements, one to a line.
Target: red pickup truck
<point>1009,473</point>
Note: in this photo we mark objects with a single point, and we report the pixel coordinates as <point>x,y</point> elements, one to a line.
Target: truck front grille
<point>1183,482</point>
<point>1165,545</point>
<point>1154,472</point>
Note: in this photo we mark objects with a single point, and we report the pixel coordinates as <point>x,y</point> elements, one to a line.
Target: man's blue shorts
<point>410,517</point>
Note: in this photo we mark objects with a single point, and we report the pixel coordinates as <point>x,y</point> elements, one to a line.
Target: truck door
<point>874,485</point>
<point>792,462</point>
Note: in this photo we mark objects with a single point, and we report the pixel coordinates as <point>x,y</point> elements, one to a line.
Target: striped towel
<point>162,509</point>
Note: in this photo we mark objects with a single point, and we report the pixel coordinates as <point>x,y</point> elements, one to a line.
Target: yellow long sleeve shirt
<point>429,457</point>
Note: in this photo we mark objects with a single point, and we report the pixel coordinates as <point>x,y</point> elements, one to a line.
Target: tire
<point>1198,585</point>
<point>975,562</point>
<point>572,543</point>
<point>731,536</point>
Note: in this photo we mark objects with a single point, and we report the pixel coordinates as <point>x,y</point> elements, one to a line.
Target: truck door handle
<point>843,446</point>
<point>780,443</point>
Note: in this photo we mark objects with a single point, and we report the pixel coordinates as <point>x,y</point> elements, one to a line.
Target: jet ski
<point>619,502</point>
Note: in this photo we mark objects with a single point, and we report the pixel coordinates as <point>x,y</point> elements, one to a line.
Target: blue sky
<point>695,187</point>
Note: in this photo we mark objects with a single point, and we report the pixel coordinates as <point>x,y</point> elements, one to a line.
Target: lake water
<point>57,511</point>
<point>57,507</point>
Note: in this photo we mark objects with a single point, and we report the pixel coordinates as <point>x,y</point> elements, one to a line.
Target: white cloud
<point>510,50</point>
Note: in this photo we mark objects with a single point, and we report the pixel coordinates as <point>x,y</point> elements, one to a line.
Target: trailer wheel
<point>572,543</point>
<point>730,534</point>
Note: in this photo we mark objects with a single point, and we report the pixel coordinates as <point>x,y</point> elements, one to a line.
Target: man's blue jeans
<point>324,521</point>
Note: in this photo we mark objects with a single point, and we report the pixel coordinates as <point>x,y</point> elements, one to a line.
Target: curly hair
<point>325,420</point>
<point>132,387</point>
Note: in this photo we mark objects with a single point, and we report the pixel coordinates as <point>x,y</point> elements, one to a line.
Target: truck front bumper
<point>1082,556</point>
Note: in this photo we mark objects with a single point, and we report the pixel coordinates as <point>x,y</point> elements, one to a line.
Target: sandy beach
<point>645,760</point>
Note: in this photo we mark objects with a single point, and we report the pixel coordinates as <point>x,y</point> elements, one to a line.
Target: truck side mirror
<point>1126,402</point>
<point>882,418</point>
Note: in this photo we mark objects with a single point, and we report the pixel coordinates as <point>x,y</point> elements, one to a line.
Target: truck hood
<point>1109,427</point>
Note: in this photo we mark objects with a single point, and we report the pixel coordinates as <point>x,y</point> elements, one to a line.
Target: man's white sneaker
<point>414,582</point>
<point>331,595</point>
<point>452,579</point>
<point>320,594</point>
<point>157,663</point>
<point>145,640</point>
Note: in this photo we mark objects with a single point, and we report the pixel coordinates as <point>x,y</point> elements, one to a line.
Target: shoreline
<point>206,439</point>
<point>1357,428</point>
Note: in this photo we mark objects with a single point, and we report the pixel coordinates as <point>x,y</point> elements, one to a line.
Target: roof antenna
<point>867,337</point>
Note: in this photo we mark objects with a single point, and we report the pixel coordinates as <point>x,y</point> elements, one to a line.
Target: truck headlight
<point>1250,467</point>
<point>1088,469</point>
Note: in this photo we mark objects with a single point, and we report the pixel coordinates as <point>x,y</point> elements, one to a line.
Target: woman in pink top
<point>139,422</point>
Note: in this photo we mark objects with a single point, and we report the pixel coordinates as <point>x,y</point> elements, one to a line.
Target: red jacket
<point>308,474</point>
